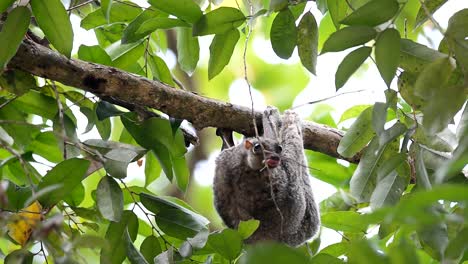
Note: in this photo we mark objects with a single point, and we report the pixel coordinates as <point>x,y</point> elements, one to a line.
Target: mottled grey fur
<point>242,184</point>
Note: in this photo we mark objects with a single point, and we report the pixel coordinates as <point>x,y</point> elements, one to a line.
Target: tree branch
<point>202,112</point>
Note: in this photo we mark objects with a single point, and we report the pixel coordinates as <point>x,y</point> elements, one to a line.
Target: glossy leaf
<point>54,21</point>
<point>188,50</point>
<point>160,70</point>
<point>373,13</point>
<point>94,54</point>
<point>5,4</point>
<point>46,145</point>
<point>67,174</point>
<point>457,37</point>
<point>433,78</point>
<point>129,34</point>
<point>152,168</point>
<point>415,56</point>
<point>337,10</point>
<point>173,219</point>
<point>348,37</point>
<point>273,253</point>
<point>219,21</point>
<point>358,135</point>
<point>283,34</point>
<point>150,248</point>
<point>13,31</point>
<point>133,254</point>
<point>117,161</point>
<point>106,6</point>
<point>153,24</point>
<point>307,42</point>
<point>364,179</point>
<point>186,10</point>
<point>227,243</point>
<point>387,50</point>
<point>109,199</point>
<point>120,12</point>
<point>344,221</point>
<point>350,64</point>
<point>247,228</point>
<point>391,183</point>
<point>116,253</point>
<point>221,50</point>
<point>194,243</point>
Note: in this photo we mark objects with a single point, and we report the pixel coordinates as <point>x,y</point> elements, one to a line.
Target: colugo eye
<point>257,148</point>
<point>278,149</point>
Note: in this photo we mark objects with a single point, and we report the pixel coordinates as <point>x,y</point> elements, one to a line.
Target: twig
<point>43,252</point>
<point>8,101</point>
<point>327,98</point>
<point>254,121</point>
<point>61,120</point>
<point>80,5</point>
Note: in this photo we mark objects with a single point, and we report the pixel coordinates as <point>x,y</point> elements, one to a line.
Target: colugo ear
<point>248,144</point>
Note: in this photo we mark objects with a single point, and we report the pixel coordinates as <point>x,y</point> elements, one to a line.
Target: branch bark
<point>201,111</point>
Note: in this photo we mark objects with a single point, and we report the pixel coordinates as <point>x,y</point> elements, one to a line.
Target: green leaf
<point>457,37</point>
<point>392,133</point>
<point>153,24</point>
<point>348,37</point>
<point>458,245</point>
<point>433,77</point>
<point>106,6</point>
<point>116,253</point>
<point>76,196</point>
<point>421,173</point>
<point>109,199</point>
<point>68,174</point>
<point>150,248</point>
<point>152,168</point>
<point>431,6</point>
<point>117,161</point>
<point>186,10</point>
<point>406,82</point>
<point>347,221</point>
<point>221,50</point>
<point>119,13</point>
<point>188,50</point>
<point>403,252</point>
<point>89,241</point>
<point>54,22</point>
<point>173,219</point>
<point>133,254</point>
<point>325,258</point>
<point>273,253</point>
<point>373,13</point>
<point>13,31</point>
<point>194,243</point>
<point>277,5</point>
<point>21,256</point>
<point>307,42</point>
<point>124,56</point>
<point>168,147</point>
<point>336,250</point>
<point>160,70</point>
<point>358,135</point>
<point>94,54</point>
<point>364,179</point>
<point>350,64</point>
<point>104,146</point>
<point>17,82</point>
<point>5,4</point>
<point>414,56</point>
<point>228,243</point>
<point>129,34</point>
<point>218,21</point>
<point>352,112</point>
<point>434,239</point>
<point>362,249</point>
<point>247,228</point>
<point>387,51</point>
<point>105,110</point>
<point>391,184</point>
<point>46,145</point>
<point>337,10</point>
<point>283,34</point>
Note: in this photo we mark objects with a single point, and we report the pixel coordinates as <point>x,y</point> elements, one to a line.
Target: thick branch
<point>202,112</point>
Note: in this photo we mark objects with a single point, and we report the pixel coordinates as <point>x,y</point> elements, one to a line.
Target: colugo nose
<point>275,158</point>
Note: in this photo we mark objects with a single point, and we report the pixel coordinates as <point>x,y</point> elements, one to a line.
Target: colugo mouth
<point>272,163</point>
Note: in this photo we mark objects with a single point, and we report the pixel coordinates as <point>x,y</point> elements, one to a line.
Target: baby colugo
<point>267,179</point>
